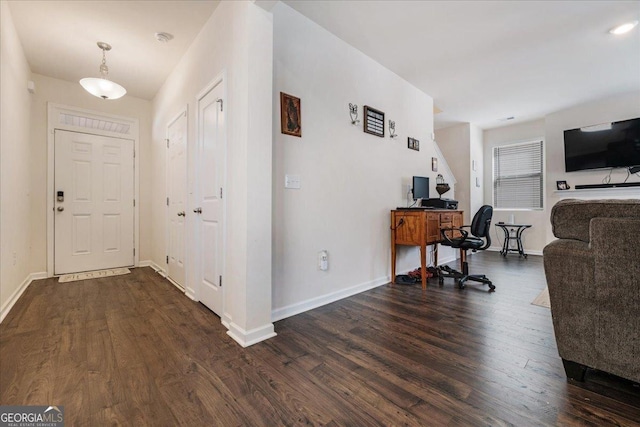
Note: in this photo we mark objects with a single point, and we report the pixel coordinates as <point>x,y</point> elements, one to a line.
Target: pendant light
<point>101,86</point>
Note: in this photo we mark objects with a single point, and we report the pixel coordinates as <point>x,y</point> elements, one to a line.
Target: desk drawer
<point>446,218</point>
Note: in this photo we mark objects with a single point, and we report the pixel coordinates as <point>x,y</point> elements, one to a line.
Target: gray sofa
<point>593,275</point>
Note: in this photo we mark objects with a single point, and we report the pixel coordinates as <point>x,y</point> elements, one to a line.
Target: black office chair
<point>480,227</point>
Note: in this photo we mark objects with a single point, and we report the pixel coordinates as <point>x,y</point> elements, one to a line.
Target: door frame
<point>183,112</point>
<point>60,117</point>
<point>194,292</point>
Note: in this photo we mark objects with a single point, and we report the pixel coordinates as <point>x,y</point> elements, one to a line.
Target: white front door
<point>94,197</point>
<point>177,197</point>
<point>209,209</point>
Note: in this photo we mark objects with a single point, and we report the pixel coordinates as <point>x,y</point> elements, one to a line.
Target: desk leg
<point>423,265</point>
<point>393,263</point>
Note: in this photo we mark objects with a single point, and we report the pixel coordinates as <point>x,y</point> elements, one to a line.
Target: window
<point>518,176</point>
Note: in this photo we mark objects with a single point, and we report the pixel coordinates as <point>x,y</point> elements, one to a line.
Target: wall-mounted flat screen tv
<point>607,145</point>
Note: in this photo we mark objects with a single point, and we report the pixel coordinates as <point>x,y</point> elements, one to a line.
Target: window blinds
<point>517,176</point>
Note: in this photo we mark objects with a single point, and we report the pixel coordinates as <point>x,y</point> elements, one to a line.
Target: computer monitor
<point>420,187</point>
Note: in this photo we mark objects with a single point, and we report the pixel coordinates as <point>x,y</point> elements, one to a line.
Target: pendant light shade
<point>101,86</point>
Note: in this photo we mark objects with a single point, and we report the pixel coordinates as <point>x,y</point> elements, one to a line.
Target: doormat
<point>542,300</point>
<point>98,274</point>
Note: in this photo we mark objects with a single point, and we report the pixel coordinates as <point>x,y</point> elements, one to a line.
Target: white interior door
<point>209,208</point>
<point>94,202</point>
<point>177,196</point>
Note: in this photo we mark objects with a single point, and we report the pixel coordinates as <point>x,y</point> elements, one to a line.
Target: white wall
<point>350,180</point>
<point>476,177</point>
<point>236,40</point>
<point>58,91</point>
<point>533,239</point>
<point>14,163</point>
<point>455,143</point>
<point>619,107</point>
<point>551,128</point>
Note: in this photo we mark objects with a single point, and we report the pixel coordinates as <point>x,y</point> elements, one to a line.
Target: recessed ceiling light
<point>624,28</point>
<point>163,37</point>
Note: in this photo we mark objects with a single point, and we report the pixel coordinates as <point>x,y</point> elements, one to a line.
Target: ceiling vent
<point>163,37</point>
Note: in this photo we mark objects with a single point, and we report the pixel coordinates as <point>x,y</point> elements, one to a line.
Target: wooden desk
<point>421,228</point>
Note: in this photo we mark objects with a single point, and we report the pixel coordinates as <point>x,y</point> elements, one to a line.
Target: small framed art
<point>373,121</point>
<point>290,115</point>
<point>413,144</point>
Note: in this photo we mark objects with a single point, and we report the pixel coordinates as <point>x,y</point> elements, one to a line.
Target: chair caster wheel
<point>492,288</point>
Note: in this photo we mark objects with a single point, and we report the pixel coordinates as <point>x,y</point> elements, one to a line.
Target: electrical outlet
<point>407,190</point>
<point>292,181</point>
<point>323,260</point>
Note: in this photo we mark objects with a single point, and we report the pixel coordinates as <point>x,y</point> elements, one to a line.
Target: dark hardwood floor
<point>132,350</point>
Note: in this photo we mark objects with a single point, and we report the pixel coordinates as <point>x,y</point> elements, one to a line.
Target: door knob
<point>198,210</point>
<point>181,213</point>
<point>60,208</point>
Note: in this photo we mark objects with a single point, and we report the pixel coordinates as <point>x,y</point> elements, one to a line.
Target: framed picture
<point>413,144</point>
<point>290,115</point>
<point>562,185</point>
<point>373,121</point>
<point>434,164</point>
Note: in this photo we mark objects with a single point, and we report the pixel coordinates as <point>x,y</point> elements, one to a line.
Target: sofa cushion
<point>570,218</point>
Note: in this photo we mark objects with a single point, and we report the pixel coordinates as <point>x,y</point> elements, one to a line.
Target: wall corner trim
<point>18,293</point>
<point>251,337</point>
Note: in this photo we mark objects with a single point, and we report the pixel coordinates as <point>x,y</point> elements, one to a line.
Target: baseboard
<point>254,336</point>
<point>6,308</point>
<point>310,304</point>
<point>176,284</point>
<point>527,251</point>
<point>161,271</point>
<point>148,263</point>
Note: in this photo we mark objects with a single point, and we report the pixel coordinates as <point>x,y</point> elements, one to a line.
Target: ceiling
<point>481,61</point>
<point>59,38</point>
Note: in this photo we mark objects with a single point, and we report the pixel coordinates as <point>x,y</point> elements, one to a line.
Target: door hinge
<point>167,201</point>
<point>134,203</point>
<point>134,251</point>
<point>167,142</point>
<point>221,192</point>
<point>220,280</point>
<point>221,104</point>
<point>167,259</point>
<point>134,153</point>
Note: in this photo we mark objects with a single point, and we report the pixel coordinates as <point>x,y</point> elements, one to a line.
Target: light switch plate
<point>292,181</point>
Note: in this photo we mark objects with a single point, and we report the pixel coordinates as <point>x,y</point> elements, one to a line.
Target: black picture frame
<point>562,185</point>
<point>373,121</point>
<point>413,144</point>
